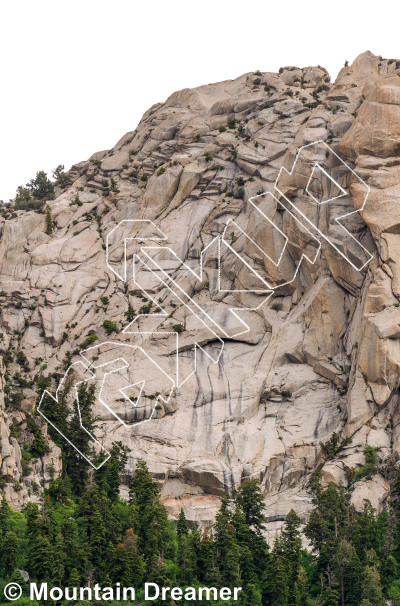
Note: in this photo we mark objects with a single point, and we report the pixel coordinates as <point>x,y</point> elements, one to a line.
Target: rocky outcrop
<point>322,354</point>
<point>22,481</point>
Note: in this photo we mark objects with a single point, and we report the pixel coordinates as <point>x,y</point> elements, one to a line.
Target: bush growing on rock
<point>60,177</point>
<point>24,200</point>
<point>35,193</point>
<point>109,326</point>
<point>49,221</point>
<point>91,338</point>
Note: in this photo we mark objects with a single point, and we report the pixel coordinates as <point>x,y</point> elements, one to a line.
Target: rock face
<point>23,482</point>
<point>322,354</point>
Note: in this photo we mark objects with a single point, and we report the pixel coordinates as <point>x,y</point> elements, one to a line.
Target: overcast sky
<point>77,75</point>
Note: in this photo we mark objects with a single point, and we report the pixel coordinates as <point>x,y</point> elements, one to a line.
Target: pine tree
<point>60,489</point>
<point>157,534</point>
<point>75,465</point>
<point>39,446</point>
<point>142,488</point>
<point>97,540</point>
<point>134,518</point>
<point>69,532</point>
<point>74,579</point>
<point>182,527</point>
<point>331,598</point>
<point>250,596</point>
<point>302,588</point>
<point>290,550</point>
<point>328,522</point>
<point>226,544</point>
<point>126,565</point>
<point>249,553</point>
<point>69,418</point>
<point>98,526</point>
<point>186,560</point>
<point>186,552</point>
<point>41,188</point>
<point>364,533</point>
<point>347,569</point>
<point>200,560</point>
<point>250,501</point>
<point>150,521</point>
<point>4,515</point>
<point>248,520</point>
<point>60,177</point>
<point>208,571</point>
<point>17,577</point>
<point>57,412</point>
<point>49,221</point>
<point>395,506</point>
<point>275,580</point>
<point>371,589</point>
<point>10,552</point>
<point>388,571</point>
<point>47,518</point>
<point>59,557</point>
<point>40,558</point>
<point>99,537</point>
<point>33,523</point>
<point>108,476</point>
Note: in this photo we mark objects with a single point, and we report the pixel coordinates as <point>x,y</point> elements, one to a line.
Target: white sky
<point>77,74</point>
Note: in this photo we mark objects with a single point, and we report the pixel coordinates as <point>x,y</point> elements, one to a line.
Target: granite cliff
<point>321,357</point>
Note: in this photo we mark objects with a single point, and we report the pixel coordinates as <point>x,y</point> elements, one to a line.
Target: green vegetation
<point>334,445</point>
<point>371,464</point>
<point>83,533</point>
<point>49,221</point>
<point>24,200</point>
<point>109,326</point>
<point>35,193</point>
<point>60,177</point>
<point>130,314</point>
<point>91,338</point>
<point>41,188</point>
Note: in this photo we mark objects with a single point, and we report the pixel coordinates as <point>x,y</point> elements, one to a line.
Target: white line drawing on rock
<point>338,220</point>
<point>70,370</point>
<point>146,257</point>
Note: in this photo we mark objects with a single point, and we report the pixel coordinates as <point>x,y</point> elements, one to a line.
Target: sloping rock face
<point>321,354</point>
